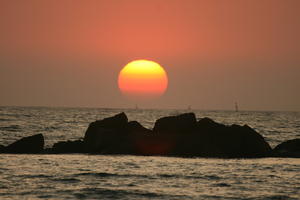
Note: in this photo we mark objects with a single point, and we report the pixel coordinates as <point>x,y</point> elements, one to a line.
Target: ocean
<point>82,176</point>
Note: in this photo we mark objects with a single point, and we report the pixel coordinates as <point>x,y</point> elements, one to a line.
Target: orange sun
<point>143,79</point>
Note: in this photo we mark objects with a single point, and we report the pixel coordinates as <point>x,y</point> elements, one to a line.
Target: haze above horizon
<point>70,53</point>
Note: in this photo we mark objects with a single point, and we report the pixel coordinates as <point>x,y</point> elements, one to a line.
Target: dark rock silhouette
<point>68,147</point>
<point>218,140</point>
<point>2,148</point>
<point>145,141</point>
<point>180,135</point>
<point>176,124</point>
<point>108,136</point>
<point>31,144</point>
<point>207,138</point>
<point>290,148</point>
<point>136,128</point>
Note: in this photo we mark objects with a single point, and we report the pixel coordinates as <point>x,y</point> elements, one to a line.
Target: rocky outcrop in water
<point>183,123</point>
<point>207,138</point>
<point>31,144</point>
<point>290,148</point>
<point>67,147</point>
<point>108,136</point>
<point>180,135</point>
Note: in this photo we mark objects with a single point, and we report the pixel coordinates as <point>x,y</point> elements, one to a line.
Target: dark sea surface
<point>78,176</point>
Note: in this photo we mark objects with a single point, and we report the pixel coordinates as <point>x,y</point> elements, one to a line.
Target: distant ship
<point>189,107</point>
<point>236,107</point>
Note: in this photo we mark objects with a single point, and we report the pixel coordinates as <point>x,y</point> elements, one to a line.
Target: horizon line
<point>146,108</point>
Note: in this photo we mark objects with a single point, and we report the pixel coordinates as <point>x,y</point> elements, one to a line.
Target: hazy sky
<point>69,53</point>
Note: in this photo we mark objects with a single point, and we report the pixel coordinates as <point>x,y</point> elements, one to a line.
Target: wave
<point>277,197</point>
<point>153,176</point>
<point>66,180</point>
<point>5,120</point>
<point>35,176</point>
<point>178,176</point>
<point>15,115</point>
<point>123,194</point>
<point>104,174</point>
<point>221,185</point>
<point>11,128</point>
<point>50,128</point>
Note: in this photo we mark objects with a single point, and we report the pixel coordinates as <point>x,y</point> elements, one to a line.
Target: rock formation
<point>31,144</point>
<point>290,148</point>
<point>207,138</point>
<point>180,135</point>
<point>67,147</point>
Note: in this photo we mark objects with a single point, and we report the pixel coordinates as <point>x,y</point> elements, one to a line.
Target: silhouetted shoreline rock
<point>180,124</point>
<point>181,136</point>
<point>32,144</point>
<point>67,147</point>
<point>290,148</point>
<point>108,136</point>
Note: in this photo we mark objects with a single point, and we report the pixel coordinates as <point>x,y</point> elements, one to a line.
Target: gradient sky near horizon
<point>216,52</point>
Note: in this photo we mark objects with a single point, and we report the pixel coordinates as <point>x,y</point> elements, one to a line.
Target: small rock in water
<point>290,148</point>
<point>68,147</point>
<point>31,144</point>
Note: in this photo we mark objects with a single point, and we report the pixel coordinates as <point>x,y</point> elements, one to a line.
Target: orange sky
<point>69,53</point>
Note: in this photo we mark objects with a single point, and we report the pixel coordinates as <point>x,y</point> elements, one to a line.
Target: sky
<point>216,52</point>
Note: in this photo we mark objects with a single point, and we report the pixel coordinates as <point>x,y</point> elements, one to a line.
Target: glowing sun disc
<point>143,78</point>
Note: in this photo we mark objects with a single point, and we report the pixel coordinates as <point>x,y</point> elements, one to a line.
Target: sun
<point>143,79</point>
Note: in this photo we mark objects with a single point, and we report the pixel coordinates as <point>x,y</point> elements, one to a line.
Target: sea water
<point>80,176</point>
